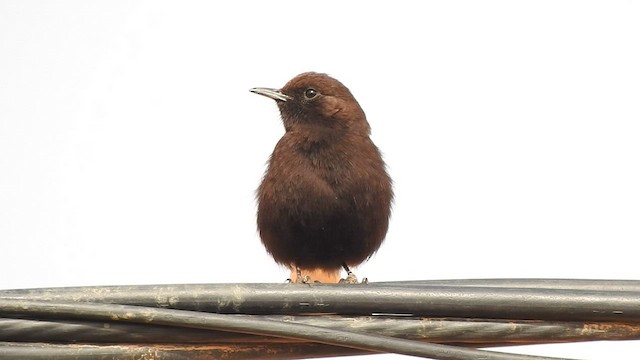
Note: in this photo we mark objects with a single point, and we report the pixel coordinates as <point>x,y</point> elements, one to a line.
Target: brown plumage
<point>325,199</point>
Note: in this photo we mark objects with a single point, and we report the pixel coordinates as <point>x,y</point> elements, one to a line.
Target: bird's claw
<point>300,279</point>
<point>353,279</point>
<point>350,279</point>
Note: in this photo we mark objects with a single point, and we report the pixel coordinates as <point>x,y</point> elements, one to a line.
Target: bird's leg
<point>351,277</point>
<point>299,279</point>
<point>313,275</point>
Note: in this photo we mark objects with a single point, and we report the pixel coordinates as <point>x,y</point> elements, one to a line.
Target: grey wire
<point>31,351</point>
<point>433,330</point>
<point>542,299</point>
<point>83,331</point>
<point>488,302</point>
<point>249,325</point>
<point>559,284</point>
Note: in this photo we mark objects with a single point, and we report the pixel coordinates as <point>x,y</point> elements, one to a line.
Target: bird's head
<point>313,99</point>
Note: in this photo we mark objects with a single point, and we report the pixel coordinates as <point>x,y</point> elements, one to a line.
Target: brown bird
<point>325,199</point>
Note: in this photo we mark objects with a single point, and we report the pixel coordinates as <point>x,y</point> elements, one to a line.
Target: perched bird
<point>325,199</point>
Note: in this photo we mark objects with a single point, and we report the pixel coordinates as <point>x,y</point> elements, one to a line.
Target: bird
<point>325,199</point>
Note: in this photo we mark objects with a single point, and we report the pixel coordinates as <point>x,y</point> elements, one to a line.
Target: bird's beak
<point>272,93</point>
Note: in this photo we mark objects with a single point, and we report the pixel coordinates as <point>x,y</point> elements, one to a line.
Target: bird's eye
<point>310,93</point>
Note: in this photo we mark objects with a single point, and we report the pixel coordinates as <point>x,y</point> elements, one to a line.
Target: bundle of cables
<point>432,319</point>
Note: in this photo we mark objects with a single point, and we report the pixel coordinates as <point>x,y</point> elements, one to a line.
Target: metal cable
<point>563,284</point>
<point>42,351</point>
<point>415,300</point>
<point>249,325</point>
<point>476,333</point>
<point>590,301</point>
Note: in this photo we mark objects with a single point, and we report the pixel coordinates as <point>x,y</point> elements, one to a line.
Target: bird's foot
<point>299,278</point>
<point>351,277</point>
<point>313,276</point>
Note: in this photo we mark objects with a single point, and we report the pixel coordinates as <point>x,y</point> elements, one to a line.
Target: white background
<point>130,146</point>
